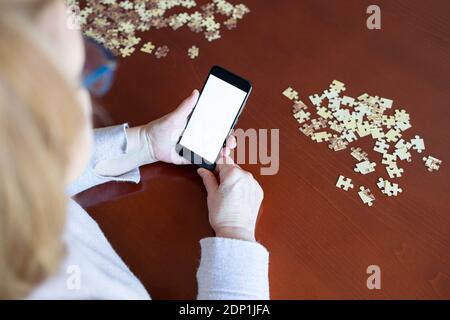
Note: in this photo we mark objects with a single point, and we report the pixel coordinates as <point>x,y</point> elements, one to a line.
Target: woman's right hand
<point>233,200</point>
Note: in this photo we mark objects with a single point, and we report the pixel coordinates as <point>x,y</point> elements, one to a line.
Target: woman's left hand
<point>163,134</point>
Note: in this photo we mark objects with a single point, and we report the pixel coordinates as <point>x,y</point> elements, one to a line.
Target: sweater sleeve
<point>109,143</point>
<point>232,269</point>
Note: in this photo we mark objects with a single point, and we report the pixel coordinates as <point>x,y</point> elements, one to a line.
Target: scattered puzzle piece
<point>365,167</point>
<point>366,196</point>
<point>290,94</point>
<point>388,188</point>
<point>302,116</point>
<point>433,164</point>
<point>418,144</point>
<point>402,150</point>
<point>307,129</point>
<point>193,52</point>
<point>161,52</point>
<point>299,105</point>
<point>359,154</point>
<point>389,159</point>
<point>394,171</point>
<point>316,100</point>
<point>324,113</point>
<point>337,143</point>
<point>381,146</point>
<point>392,135</point>
<point>319,123</point>
<point>148,47</point>
<point>344,183</point>
<point>321,136</point>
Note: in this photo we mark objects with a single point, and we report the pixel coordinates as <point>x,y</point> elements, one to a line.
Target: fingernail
<point>200,171</point>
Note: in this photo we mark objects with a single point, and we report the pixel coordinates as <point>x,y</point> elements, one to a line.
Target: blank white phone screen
<point>211,121</point>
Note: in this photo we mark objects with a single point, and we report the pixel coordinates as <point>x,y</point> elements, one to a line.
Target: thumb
<point>185,108</point>
<point>209,180</point>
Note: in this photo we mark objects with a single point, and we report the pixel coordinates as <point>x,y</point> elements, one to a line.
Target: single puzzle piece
<point>376,132</point>
<point>363,129</point>
<point>350,124</point>
<point>432,163</point>
<point>402,150</point>
<point>394,171</point>
<point>337,143</point>
<point>126,52</point>
<point>365,167</point>
<point>401,116</point>
<point>392,135</point>
<point>162,52</point>
<point>336,126</point>
<point>319,123</point>
<point>307,129</point>
<point>331,94</point>
<point>341,114</point>
<point>366,196</point>
<point>392,189</point>
<point>302,116</point>
<point>402,126</point>
<point>388,188</point>
<point>386,103</point>
<point>290,94</point>
<point>362,110</point>
<point>348,101</point>
<point>148,47</point>
<point>337,86</point>
<point>418,144</point>
<point>388,121</point>
<point>381,146</point>
<point>389,159</point>
<point>299,105</point>
<point>193,52</point>
<point>324,113</point>
<point>334,104</point>
<point>402,144</point>
<point>381,184</point>
<point>344,183</point>
<point>321,136</point>
<point>349,136</point>
<point>316,100</point>
<point>403,154</point>
<point>359,154</point>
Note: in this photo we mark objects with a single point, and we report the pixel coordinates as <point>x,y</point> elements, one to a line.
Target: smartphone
<point>218,107</point>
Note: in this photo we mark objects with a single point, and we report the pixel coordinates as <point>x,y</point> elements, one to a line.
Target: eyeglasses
<point>99,68</point>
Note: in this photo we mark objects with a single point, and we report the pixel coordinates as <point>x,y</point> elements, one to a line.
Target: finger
<point>185,108</point>
<point>231,142</point>
<point>224,163</point>
<point>225,151</point>
<point>209,180</point>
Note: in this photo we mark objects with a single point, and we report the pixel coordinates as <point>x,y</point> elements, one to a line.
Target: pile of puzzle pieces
<point>342,120</point>
<point>114,23</point>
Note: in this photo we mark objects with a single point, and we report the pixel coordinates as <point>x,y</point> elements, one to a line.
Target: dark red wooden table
<point>321,239</point>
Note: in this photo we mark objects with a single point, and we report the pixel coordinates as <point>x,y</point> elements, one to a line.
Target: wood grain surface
<point>321,239</point>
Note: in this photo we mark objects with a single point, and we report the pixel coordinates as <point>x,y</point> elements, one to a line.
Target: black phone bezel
<point>232,79</point>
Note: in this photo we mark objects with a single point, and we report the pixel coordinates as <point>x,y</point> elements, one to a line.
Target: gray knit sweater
<point>91,269</point>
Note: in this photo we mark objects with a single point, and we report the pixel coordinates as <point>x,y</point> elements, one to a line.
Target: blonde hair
<point>39,122</point>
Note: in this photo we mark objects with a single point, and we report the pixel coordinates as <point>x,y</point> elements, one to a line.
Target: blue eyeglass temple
<point>104,72</point>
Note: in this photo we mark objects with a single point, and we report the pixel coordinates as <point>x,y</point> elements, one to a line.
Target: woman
<point>46,139</point>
